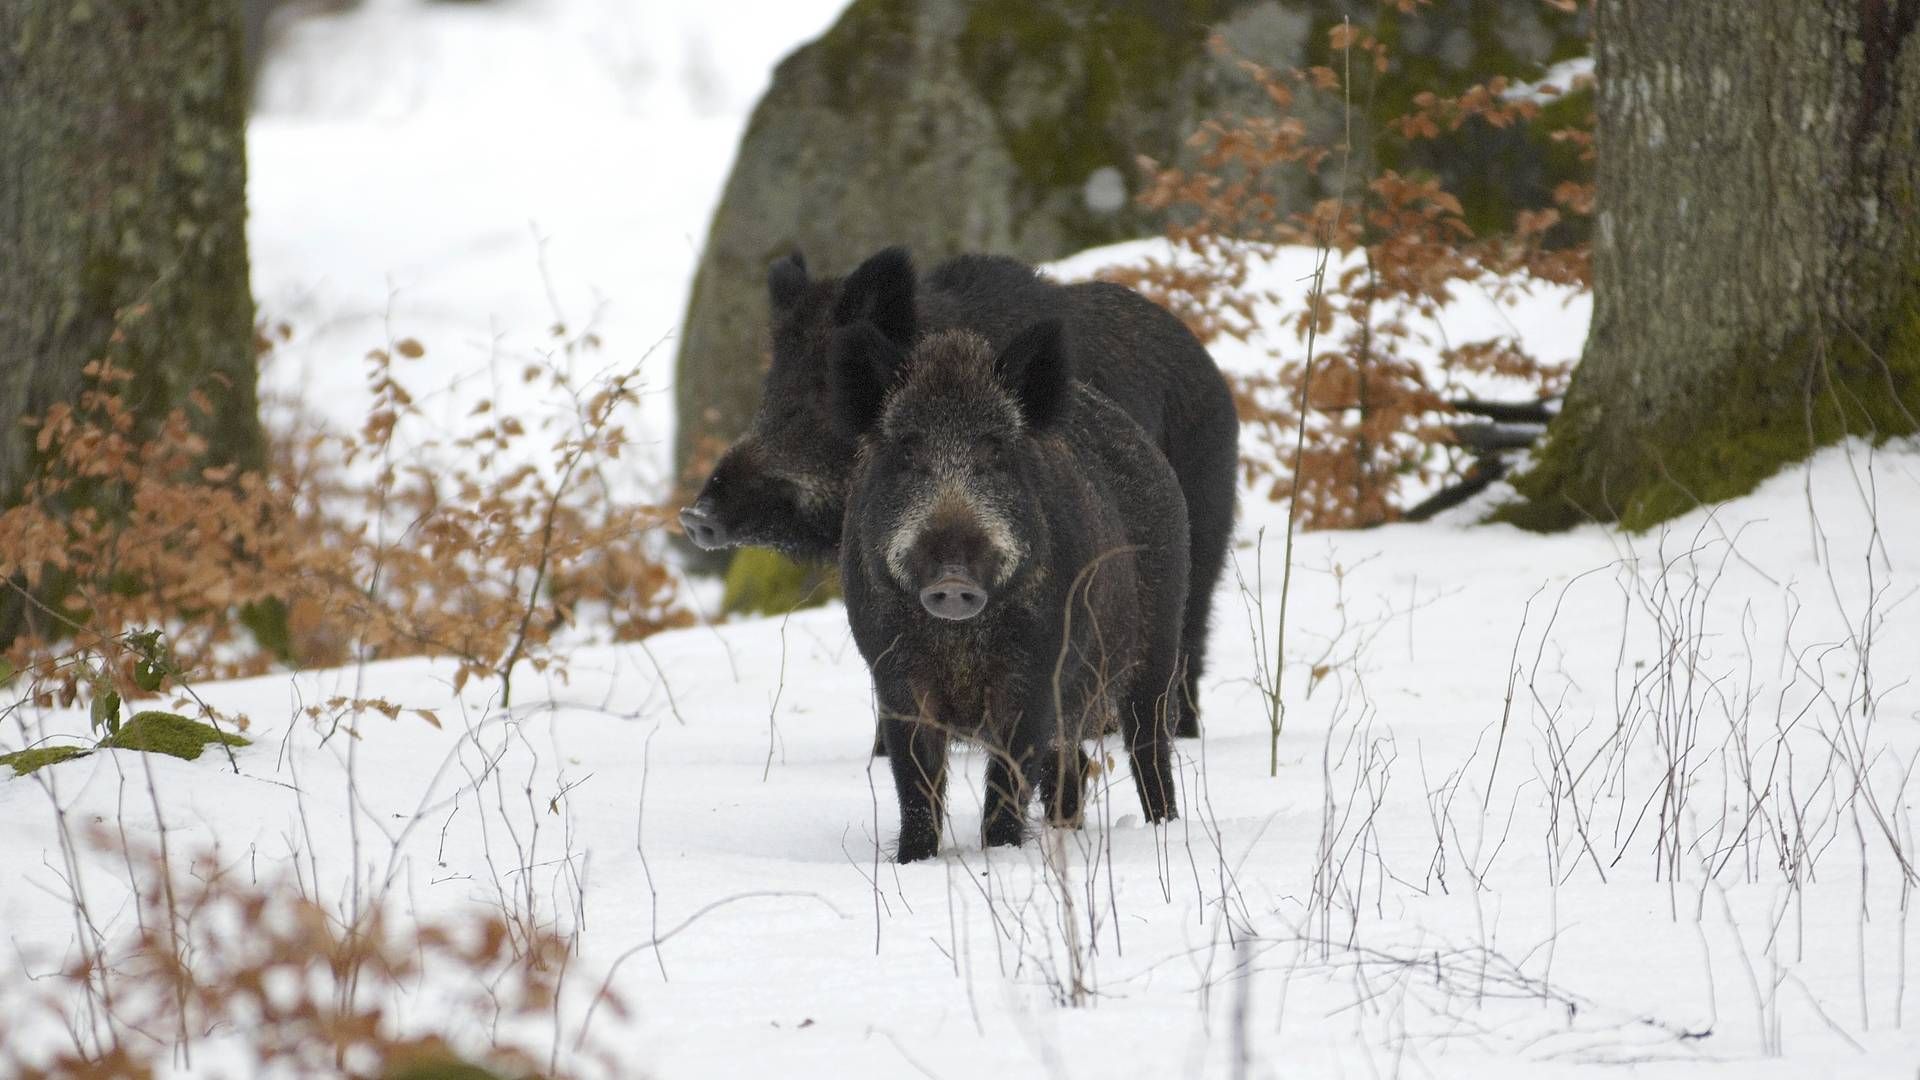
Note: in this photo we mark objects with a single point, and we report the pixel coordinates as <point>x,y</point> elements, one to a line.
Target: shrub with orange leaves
<point>292,987</point>
<point>481,547</point>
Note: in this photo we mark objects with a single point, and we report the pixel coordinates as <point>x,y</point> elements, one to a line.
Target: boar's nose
<point>955,596</point>
<point>702,527</point>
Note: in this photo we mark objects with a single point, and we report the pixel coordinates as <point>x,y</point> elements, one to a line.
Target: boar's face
<point>951,457</point>
<point>783,484</point>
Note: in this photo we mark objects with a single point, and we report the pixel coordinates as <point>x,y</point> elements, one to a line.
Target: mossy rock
<point>1106,58</point>
<point>762,582</point>
<point>26,761</point>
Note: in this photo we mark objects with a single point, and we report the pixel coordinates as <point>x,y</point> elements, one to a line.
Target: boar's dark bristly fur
<point>781,485</point>
<point>1014,558</point>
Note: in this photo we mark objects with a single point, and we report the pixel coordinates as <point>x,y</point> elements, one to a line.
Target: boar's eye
<point>917,454</point>
<point>910,449</point>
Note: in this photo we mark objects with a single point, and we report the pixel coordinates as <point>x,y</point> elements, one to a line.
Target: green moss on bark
<point>123,230</point>
<point>126,129</point>
<point>1772,407</point>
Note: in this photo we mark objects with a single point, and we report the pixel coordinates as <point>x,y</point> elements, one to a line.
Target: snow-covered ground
<point>1544,806</point>
<point>1462,867</point>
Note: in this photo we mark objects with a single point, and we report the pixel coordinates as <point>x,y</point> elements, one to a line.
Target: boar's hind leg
<point>1187,697</point>
<point>1063,785</point>
<point>1207,466</point>
<point>917,750</point>
<point>1147,724</point>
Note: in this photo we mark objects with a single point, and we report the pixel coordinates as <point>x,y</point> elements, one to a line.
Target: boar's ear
<point>861,363</point>
<point>1034,367</point>
<point>880,291</point>
<point>786,281</point>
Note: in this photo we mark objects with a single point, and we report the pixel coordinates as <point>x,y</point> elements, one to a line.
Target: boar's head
<point>954,440</point>
<point>783,484</point>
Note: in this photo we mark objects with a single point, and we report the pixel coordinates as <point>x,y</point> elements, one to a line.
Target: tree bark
<point>123,217</point>
<point>1756,254</point>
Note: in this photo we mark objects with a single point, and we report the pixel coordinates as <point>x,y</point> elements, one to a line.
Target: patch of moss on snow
<point>26,761</point>
<point>168,733</point>
<point>441,1070</point>
<point>150,732</point>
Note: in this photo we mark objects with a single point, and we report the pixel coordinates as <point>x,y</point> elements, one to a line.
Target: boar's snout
<point>955,596</point>
<point>703,526</point>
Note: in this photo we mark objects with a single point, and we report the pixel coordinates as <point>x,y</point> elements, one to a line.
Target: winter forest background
<point>364,713</point>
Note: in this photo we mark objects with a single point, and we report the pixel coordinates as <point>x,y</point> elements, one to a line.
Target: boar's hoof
<point>703,528</point>
<point>917,848</point>
<point>1009,831</point>
<point>955,596</point>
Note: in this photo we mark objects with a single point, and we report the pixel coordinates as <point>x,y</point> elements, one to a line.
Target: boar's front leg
<point>1035,754</point>
<point>1009,787</point>
<point>917,751</point>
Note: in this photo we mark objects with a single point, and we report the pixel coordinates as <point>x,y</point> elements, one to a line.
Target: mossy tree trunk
<point>1756,254</point>
<point>123,218</point>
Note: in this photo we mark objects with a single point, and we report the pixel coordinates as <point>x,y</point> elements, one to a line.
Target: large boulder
<point>1015,126</point>
<point>1009,126</point>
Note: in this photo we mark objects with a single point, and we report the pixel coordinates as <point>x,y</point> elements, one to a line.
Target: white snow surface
<point>1477,734</point>
<point>1571,805</point>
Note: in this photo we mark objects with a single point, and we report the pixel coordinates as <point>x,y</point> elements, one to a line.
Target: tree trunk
<point>1756,255</point>
<point>123,217</point>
